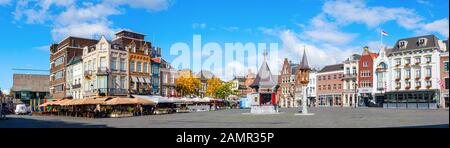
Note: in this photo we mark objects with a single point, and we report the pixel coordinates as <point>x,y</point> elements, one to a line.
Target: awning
<point>134,79</point>
<point>141,79</point>
<point>147,80</point>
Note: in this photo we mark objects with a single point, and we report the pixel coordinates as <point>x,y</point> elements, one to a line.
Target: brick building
<point>60,54</point>
<point>365,78</point>
<point>329,85</point>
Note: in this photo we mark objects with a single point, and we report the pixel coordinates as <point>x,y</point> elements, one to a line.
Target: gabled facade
<point>365,78</point>
<point>350,80</point>
<point>105,71</point>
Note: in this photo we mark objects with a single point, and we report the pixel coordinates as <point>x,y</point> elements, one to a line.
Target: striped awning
<point>134,79</point>
<point>141,79</point>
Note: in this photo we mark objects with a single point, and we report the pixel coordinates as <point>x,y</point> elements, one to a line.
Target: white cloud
<point>5,2</point>
<point>439,26</point>
<point>356,11</point>
<point>150,5</point>
<point>199,26</point>
<point>424,2</point>
<point>76,18</point>
<point>231,29</point>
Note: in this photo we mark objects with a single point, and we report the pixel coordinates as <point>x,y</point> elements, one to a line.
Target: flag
<point>384,33</point>
<point>441,83</point>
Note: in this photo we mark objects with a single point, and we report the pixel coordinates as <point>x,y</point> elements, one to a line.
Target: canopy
<point>120,101</point>
<point>88,101</point>
<point>54,103</point>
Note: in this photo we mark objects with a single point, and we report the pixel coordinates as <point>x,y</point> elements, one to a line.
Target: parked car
<point>21,109</point>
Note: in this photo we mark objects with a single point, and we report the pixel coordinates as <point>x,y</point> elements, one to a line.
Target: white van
<point>21,109</point>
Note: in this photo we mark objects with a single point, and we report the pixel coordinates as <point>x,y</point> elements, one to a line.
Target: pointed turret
<point>304,64</point>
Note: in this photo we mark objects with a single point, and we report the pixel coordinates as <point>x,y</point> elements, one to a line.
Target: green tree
<point>225,91</point>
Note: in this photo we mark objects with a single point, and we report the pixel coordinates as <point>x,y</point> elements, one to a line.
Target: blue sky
<point>330,30</point>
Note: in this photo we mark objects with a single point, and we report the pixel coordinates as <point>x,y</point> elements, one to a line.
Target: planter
<point>427,78</point>
<point>417,78</point>
<point>418,87</point>
<point>397,79</point>
<point>408,88</point>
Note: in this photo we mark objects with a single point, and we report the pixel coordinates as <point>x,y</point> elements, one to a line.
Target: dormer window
<point>402,44</point>
<point>422,42</point>
<point>103,46</point>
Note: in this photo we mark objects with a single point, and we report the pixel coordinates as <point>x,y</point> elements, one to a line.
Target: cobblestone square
<point>323,118</point>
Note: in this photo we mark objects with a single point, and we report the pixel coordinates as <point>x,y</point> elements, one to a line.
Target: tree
<point>225,91</point>
<point>213,85</point>
<point>187,85</point>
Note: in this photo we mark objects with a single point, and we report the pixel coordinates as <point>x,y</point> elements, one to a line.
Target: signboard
<point>365,90</point>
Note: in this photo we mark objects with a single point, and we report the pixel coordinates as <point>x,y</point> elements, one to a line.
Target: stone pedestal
<point>304,104</point>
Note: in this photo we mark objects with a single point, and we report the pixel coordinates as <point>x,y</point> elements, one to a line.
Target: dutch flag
<point>384,33</point>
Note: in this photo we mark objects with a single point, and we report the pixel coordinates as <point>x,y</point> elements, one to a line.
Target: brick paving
<point>323,118</point>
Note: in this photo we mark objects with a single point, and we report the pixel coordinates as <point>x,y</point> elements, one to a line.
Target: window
<point>59,88</point>
<point>422,42</point>
<point>418,84</point>
<point>398,85</point>
<point>446,67</point>
<point>145,67</point>
<point>446,83</point>
<point>398,74</point>
<point>418,73</point>
<point>139,66</point>
<point>407,61</point>
<point>59,75</point>
<point>340,86</point>
<point>408,73</point>
<point>429,72</point>
<point>114,63</point>
<point>329,87</point>
<point>103,62</point>
<point>402,44</point>
<point>132,64</point>
<point>429,83</point>
<point>408,84</point>
<point>122,64</point>
<point>366,64</point>
<point>398,61</point>
<point>347,71</point>
<point>354,71</point>
<point>428,59</point>
<point>334,86</point>
<point>103,46</point>
<point>418,60</point>
<point>59,61</point>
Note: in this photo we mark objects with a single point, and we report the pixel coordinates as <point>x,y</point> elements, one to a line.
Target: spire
<point>304,63</point>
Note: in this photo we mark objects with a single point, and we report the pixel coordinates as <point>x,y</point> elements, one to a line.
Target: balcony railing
<point>87,73</point>
<point>112,92</point>
<point>76,86</point>
<point>350,76</point>
<point>102,71</point>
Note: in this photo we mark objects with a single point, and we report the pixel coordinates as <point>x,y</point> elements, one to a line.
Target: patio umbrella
<point>120,101</point>
<point>143,101</point>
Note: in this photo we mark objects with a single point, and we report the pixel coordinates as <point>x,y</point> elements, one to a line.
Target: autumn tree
<point>213,85</point>
<point>187,85</point>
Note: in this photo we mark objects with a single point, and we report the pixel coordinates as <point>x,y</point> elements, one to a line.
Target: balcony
<point>398,79</point>
<point>101,71</point>
<point>350,76</point>
<point>418,87</point>
<point>87,73</point>
<point>408,78</point>
<point>76,86</point>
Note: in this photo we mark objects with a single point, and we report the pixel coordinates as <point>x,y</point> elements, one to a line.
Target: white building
<point>74,78</point>
<point>312,87</point>
<point>414,71</point>
<point>105,69</point>
<point>350,80</point>
<point>381,81</point>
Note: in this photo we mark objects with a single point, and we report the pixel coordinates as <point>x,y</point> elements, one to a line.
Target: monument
<point>263,99</point>
<point>302,77</point>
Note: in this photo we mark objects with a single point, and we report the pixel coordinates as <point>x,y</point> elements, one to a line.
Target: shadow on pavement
<point>428,126</point>
<point>13,122</point>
